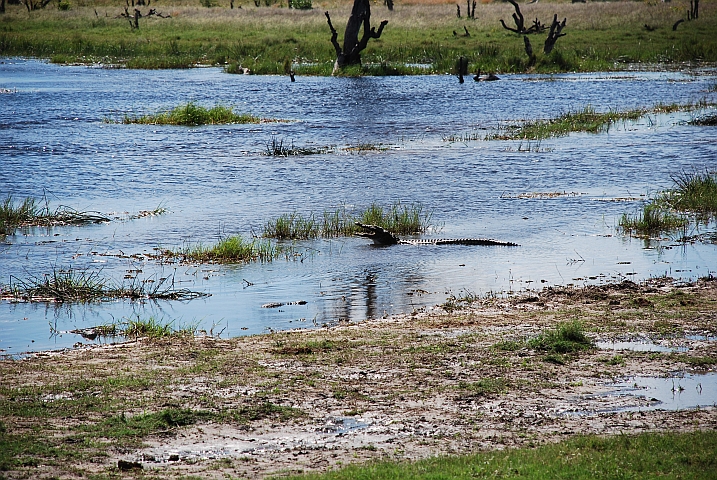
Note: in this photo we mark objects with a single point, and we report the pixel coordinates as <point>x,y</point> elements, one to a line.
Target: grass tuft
<point>191,114</point>
<point>276,148</point>
<point>398,218</point>
<point>654,219</point>
<point>233,249</point>
<point>692,194</point>
<point>567,337</point>
<point>30,212</point>
<point>73,285</point>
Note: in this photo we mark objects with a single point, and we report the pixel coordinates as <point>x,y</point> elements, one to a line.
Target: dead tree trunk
<point>555,29</point>
<point>694,12</point>
<point>517,18</point>
<point>350,54</point>
<point>462,68</point>
<point>529,51</point>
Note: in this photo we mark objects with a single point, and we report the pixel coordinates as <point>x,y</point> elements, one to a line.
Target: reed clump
<point>82,286</point>
<point>193,115</point>
<point>277,148</point>
<point>399,219</point>
<point>693,197</point>
<point>653,219</point>
<point>31,212</point>
<point>694,192</point>
<point>233,249</point>
<point>138,327</point>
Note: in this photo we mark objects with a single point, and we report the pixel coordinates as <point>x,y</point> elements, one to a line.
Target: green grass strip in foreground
<point>645,456</point>
<point>193,115</point>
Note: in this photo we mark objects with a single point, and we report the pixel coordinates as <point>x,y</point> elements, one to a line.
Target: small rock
<point>174,458</point>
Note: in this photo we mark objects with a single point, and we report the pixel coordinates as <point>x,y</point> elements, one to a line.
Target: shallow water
<point>673,393</point>
<point>215,181</point>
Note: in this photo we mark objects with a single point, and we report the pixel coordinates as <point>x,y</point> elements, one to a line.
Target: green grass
<point>232,249</point>
<point>31,212</point>
<point>191,114</point>
<point>585,120</point>
<point>599,38</point>
<point>639,457</point>
<point>693,194</point>
<point>654,219</point>
<point>399,218</point>
<point>73,285</point>
<point>566,337</point>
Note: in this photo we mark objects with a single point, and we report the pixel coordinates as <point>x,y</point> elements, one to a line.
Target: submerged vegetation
<point>83,286</point>
<point>399,219</point>
<point>263,38</point>
<point>693,197</point>
<point>191,114</point>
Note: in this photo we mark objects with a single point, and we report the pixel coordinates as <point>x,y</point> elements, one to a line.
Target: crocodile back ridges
<point>458,241</point>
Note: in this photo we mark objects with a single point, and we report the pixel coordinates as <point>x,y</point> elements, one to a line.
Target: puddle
<point>342,425</point>
<point>641,346</point>
<point>672,393</point>
<point>640,394</point>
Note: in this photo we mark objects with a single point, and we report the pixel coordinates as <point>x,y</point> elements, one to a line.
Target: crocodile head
<point>379,235</point>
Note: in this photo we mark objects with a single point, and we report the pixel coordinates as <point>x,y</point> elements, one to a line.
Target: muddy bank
<point>451,379</point>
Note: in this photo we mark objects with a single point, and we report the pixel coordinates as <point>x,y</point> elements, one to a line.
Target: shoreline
<point>401,388</point>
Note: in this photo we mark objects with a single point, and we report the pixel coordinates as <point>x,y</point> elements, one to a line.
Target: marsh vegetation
<point>232,249</point>
<point>400,219</point>
<point>73,285</point>
<point>192,115</point>
<point>692,199</point>
<point>31,212</point>
<point>585,120</point>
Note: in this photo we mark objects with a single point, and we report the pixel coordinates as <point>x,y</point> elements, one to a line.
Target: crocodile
<point>381,236</point>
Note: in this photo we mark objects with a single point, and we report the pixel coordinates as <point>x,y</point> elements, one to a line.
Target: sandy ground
<point>452,379</point>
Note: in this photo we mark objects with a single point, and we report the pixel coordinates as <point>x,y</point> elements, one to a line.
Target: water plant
<point>232,249</point>
<point>584,120</point>
<point>652,220</point>
<point>191,114</point>
<point>694,192</point>
<point>73,285</point>
<point>399,218</point>
<point>31,212</point>
<point>276,148</point>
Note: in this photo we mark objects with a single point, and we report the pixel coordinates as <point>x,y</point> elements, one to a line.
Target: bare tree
<point>555,32</point>
<point>350,54</point>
